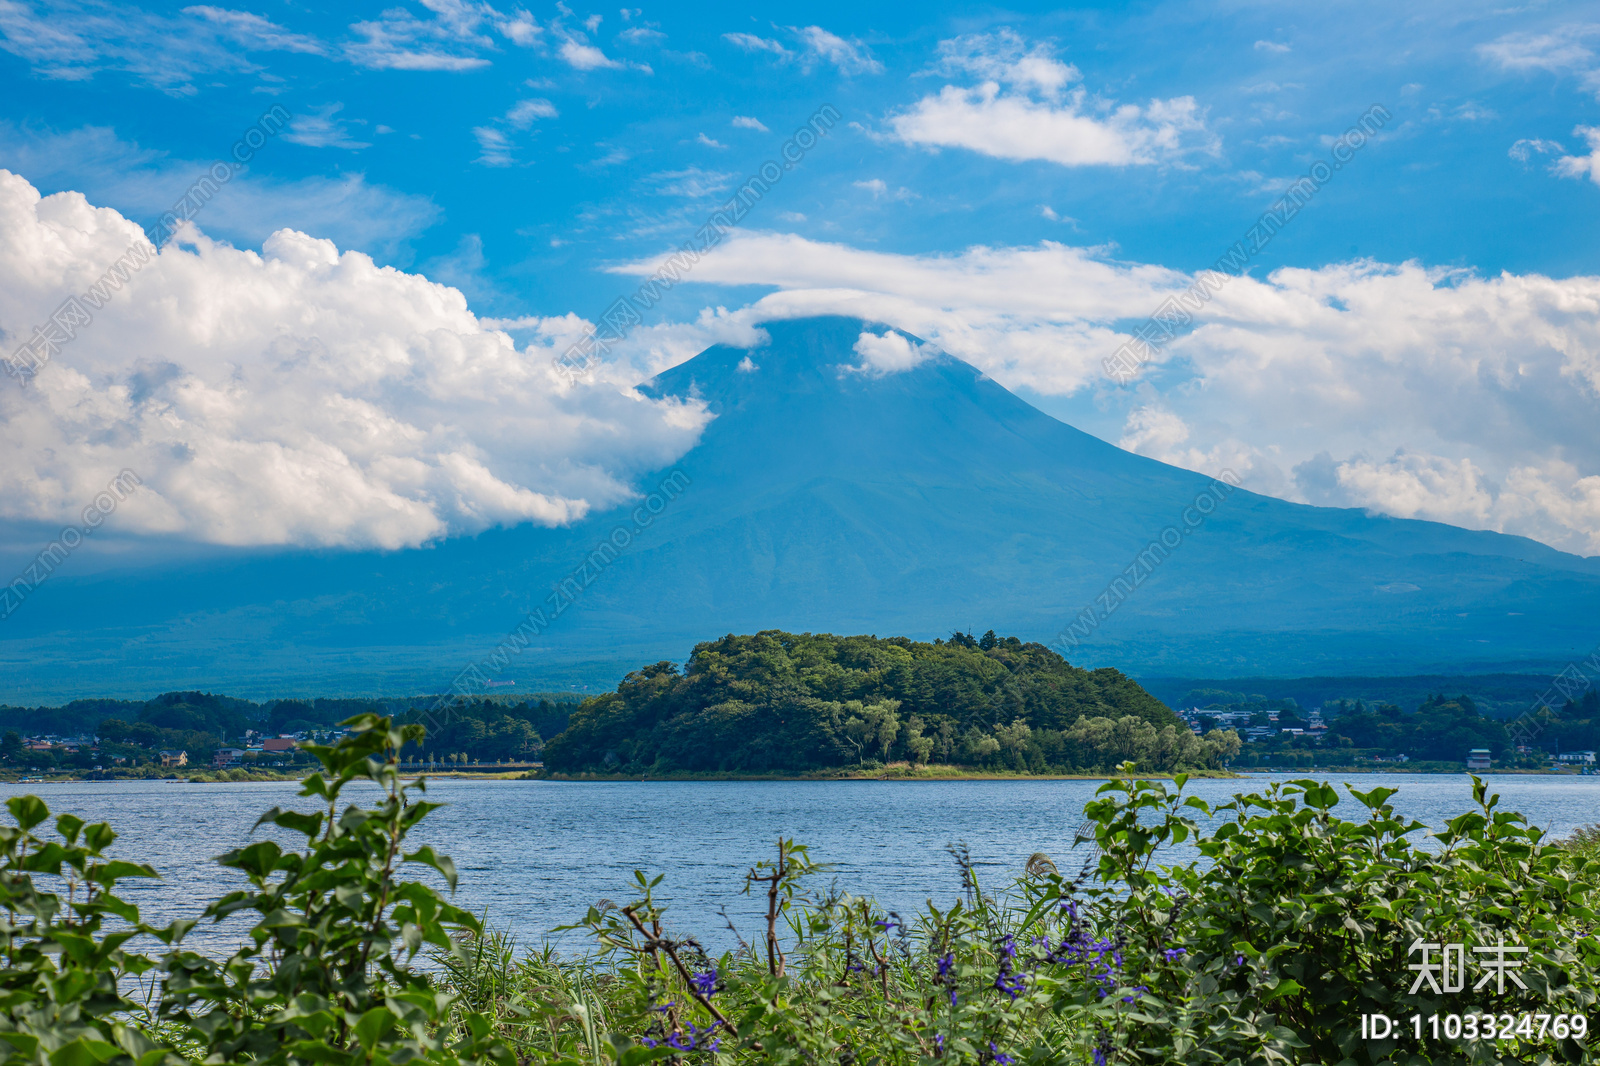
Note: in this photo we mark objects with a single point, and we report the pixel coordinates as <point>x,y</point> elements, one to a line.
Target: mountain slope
<point>822,498</point>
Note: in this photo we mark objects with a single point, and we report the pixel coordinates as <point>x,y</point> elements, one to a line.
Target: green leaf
<point>28,810</point>
<point>98,837</point>
<point>310,825</point>
<point>84,1051</point>
<point>372,1026</point>
<point>26,1043</point>
<point>1373,799</point>
<point>317,1051</point>
<point>442,863</point>
<point>1284,987</point>
<point>109,873</point>
<point>258,860</point>
<point>47,859</point>
<point>69,825</point>
<point>638,1053</point>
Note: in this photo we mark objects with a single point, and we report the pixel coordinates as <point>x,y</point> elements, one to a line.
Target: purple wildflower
<point>1102,1046</point>
<point>692,1038</point>
<point>1171,954</point>
<point>1011,983</point>
<point>705,983</point>
<point>1000,1057</point>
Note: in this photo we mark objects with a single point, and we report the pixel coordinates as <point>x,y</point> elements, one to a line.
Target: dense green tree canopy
<point>131,732</point>
<point>777,701</point>
<point>1445,728</point>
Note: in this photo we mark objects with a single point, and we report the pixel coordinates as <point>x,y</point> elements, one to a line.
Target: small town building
<point>174,758</point>
<point>226,757</point>
<point>1581,758</point>
<point>277,744</point>
<point>1478,759</point>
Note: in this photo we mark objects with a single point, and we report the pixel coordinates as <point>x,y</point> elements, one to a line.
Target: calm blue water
<point>533,855</point>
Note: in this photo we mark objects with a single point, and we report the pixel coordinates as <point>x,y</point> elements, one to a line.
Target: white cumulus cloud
<point>889,353</point>
<point>1581,166</point>
<point>1022,109</point>
<point>296,395</point>
<point>582,56</point>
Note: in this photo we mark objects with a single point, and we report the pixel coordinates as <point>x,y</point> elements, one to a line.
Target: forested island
<point>777,702</point>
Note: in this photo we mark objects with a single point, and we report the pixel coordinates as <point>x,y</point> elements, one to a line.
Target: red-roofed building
<point>278,744</point>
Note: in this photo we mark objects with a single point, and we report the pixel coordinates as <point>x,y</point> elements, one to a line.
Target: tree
<point>1013,742</point>
<point>977,746</point>
<point>872,728</point>
<point>11,747</point>
<point>1224,745</point>
<point>886,724</point>
<point>918,747</point>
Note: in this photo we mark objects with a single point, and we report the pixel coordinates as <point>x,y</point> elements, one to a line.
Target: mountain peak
<point>828,354</point>
<point>817,394</point>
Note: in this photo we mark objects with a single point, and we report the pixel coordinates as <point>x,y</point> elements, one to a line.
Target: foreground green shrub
<point>60,985</point>
<point>323,978</point>
<point>1292,926</point>
<point>1297,923</point>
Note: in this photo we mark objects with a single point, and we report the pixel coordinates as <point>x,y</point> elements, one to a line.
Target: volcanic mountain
<point>825,497</point>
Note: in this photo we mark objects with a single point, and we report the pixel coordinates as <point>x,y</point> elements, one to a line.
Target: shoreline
<point>890,774</point>
<point>887,774</point>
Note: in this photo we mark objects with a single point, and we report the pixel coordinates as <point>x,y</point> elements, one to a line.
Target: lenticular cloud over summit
<point>296,396</point>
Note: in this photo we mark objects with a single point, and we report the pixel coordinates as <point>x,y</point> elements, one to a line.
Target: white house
<point>1478,759</point>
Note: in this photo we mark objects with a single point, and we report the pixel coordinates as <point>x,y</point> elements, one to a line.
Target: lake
<point>533,854</point>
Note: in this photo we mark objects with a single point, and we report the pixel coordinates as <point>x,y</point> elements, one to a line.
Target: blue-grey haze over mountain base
<point>824,497</point>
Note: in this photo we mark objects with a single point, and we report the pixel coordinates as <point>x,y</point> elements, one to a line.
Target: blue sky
<point>537,158</point>
<point>583,175</point>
